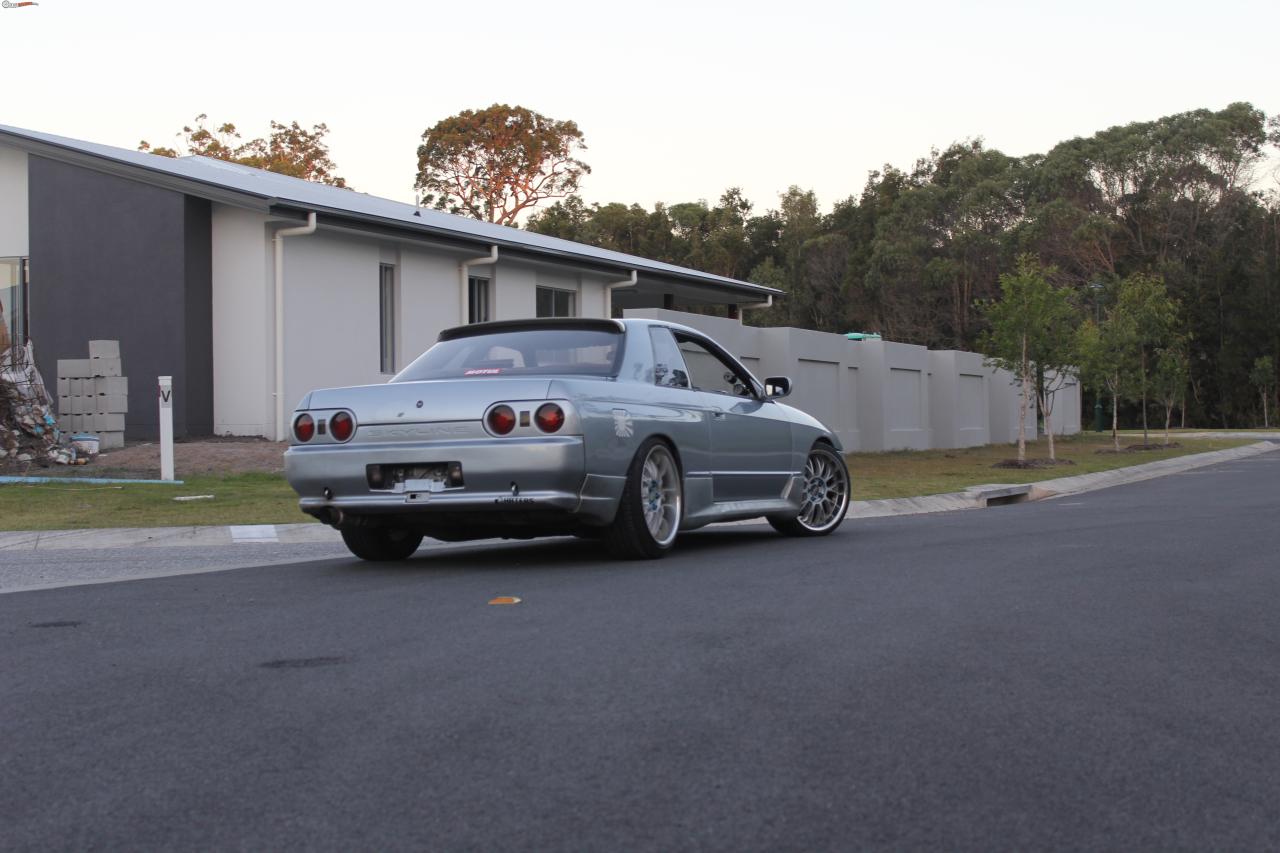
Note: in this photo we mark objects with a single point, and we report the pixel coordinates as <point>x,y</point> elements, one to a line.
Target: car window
<point>669,369</point>
<point>709,372</point>
<point>539,352</point>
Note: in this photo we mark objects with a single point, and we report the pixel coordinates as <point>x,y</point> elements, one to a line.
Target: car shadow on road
<point>561,553</point>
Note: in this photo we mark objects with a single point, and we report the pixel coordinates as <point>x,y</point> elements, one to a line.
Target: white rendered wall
<point>906,396</point>
<point>959,408</point>
<point>877,395</point>
<point>331,308</point>
<point>591,295</point>
<point>429,300</point>
<point>243,317</point>
<point>1065,415</point>
<point>13,203</point>
<point>513,290</point>
<point>331,294</point>
<point>1004,391</point>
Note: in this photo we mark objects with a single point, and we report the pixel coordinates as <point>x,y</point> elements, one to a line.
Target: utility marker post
<point>166,427</point>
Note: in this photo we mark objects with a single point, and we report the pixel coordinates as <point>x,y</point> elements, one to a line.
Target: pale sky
<point>678,100</point>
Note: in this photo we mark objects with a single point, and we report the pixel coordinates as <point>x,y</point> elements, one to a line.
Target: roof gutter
<point>544,254</point>
<point>610,288</point>
<point>464,270</point>
<point>278,242</point>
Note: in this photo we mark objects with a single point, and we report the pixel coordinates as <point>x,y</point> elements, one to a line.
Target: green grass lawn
<point>68,505</point>
<point>267,498</point>
<point>902,474</point>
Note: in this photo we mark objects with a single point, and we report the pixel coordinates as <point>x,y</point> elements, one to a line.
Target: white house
<point>251,288</point>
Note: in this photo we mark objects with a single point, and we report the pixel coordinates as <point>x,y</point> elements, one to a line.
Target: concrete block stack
<point>93,396</point>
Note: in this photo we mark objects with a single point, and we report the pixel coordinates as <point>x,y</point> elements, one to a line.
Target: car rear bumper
<point>511,475</point>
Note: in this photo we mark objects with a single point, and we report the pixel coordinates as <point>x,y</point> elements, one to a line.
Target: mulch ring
<point>1030,464</point>
<point>1139,448</point>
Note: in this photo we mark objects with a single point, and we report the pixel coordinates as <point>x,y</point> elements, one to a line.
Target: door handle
<point>718,415</point>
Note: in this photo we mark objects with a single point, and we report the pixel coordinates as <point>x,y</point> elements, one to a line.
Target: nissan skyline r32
<point>628,431</point>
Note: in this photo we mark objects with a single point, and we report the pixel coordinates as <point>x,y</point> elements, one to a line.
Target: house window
<point>477,300</point>
<point>556,303</point>
<point>387,316</point>
<point>13,302</point>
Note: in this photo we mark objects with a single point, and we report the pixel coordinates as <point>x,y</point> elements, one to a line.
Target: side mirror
<point>777,387</point>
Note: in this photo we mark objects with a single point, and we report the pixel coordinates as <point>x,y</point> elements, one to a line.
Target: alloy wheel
<point>660,494</point>
<point>826,492</point>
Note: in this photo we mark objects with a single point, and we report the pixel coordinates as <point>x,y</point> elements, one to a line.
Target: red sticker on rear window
<point>482,371</point>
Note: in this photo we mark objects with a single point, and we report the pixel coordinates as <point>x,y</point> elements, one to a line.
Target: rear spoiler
<point>545,324</point>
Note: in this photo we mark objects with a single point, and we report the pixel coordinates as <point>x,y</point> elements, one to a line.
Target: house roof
<point>217,179</point>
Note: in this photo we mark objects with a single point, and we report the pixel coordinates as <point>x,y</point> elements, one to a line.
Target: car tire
<point>651,507</point>
<point>825,499</point>
<point>381,544</point>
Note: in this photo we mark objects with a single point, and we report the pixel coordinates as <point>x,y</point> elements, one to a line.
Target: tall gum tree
<point>497,163</point>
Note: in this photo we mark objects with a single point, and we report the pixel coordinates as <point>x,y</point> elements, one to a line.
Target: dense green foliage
<point>1032,334</point>
<point>1178,200</point>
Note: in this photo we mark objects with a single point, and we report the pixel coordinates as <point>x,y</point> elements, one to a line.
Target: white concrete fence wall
<point>881,395</point>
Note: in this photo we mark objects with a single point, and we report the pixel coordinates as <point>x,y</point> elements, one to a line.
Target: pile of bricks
<point>93,396</point>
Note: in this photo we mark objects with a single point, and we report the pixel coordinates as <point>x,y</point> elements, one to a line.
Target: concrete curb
<point>1150,470</point>
<point>975,497</point>
<point>143,537</point>
<point>979,497</point>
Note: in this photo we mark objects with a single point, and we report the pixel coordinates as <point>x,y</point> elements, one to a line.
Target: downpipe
<point>464,269</point>
<point>278,242</point>
<point>610,288</point>
<point>768,303</point>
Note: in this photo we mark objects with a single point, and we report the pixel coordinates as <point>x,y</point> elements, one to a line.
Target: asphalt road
<point>1086,673</point>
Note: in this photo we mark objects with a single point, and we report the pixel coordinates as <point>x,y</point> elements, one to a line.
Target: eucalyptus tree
<point>1032,331</point>
<point>289,149</point>
<point>498,162</point>
<point>1263,377</point>
<point>1170,377</point>
<point>1104,356</point>
<point>1144,301</point>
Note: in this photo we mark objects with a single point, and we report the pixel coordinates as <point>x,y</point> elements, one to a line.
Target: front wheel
<point>825,499</point>
<point>381,544</point>
<point>651,507</point>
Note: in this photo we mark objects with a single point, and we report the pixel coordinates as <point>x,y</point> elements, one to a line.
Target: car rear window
<point>541,352</point>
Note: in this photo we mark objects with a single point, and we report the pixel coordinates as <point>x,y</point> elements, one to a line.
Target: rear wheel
<point>651,507</point>
<point>825,499</point>
<point>381,544</point>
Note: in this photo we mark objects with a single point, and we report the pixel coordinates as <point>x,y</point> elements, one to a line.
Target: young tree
<point>1104,352</point>
<point>1152,314</point>
<point>290,149</point>
<point>1263,377</point>
<point>1169,380</point>
<point>1032,330</point>
<point>493,164</point>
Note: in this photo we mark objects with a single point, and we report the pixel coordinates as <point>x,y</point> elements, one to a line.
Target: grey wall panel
<point>197,401</point>
<point>109,260</point>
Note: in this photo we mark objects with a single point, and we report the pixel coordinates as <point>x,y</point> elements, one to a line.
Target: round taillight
<point>502,419</point>
<point>341,426</point>
<point>549,417</point>
<point>304,428</point>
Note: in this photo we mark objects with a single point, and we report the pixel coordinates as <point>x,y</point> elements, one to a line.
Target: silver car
<point>628,431</point>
